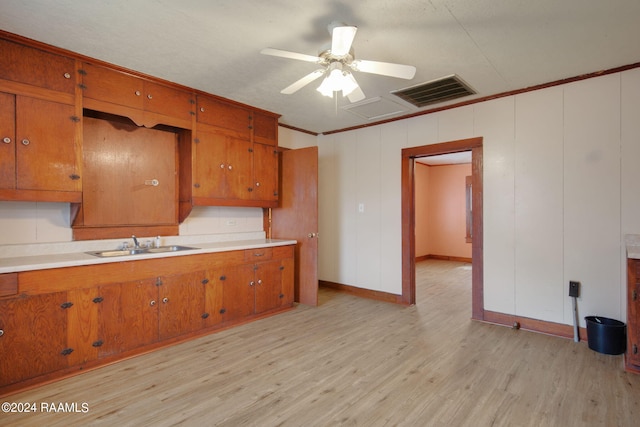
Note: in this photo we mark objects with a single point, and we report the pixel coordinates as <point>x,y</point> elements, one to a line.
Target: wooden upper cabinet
<point>168,101</point>
<point>145,102</point>
<point>39,148</point>
<point>265,128</point>
<point>36,67</point>
<point>137,185</point>
<point>105,84</point>
<point>225,115</point>
<point>265,173</point>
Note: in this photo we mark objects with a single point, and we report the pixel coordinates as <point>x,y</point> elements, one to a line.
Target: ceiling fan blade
<point>341,40</point>
<point>384,68</point>
<point>356,95</point>
<point>303,82</point>
<point>290,55</point>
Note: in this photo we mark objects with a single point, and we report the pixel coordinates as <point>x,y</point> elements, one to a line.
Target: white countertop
<point>72,259</point>
<point>633,245</point>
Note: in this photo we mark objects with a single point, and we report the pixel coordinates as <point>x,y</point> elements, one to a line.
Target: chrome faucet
<point>135,242</point>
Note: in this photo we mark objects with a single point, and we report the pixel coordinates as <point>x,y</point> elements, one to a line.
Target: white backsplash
<point>34,228</point>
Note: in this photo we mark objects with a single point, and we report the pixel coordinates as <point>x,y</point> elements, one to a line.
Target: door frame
<point>408,218</point>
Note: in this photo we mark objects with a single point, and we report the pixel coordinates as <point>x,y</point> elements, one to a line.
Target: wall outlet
<point>231,222</point>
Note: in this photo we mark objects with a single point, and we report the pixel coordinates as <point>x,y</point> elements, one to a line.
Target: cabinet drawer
<point>256,255</point>
<point>36,67</point>
<point>8,284</point>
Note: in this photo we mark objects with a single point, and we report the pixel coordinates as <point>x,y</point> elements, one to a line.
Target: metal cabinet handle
<point>259,281</point>
<point>257,184</point>
<point>153,182</point>
<point>230,167</point>
<point>26,142</point>
<point>165,300</point>
<point>149,96</point>
<point>152,303</point>
<point>6,140</point>
<point>66,75</point>
<point>252,283</point>
<point>221,165</point>
<point>1,332</point>
<point>137,93</point>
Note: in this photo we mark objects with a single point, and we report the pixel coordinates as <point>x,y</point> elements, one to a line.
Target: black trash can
<point>607,336</point>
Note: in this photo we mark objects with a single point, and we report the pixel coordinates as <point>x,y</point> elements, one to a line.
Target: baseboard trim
<point>443,257</point>
<point>363,293</point>
<point>534,325</point>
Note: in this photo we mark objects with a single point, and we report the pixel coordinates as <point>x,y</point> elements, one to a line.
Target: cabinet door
<point>210,165</point>
<point>46,150</point>
<point>181,302</point>
<point>128,316</point>
<point>137,186</point>
<point>268,284</point>
<point>265,129</point>
<point>34,336</point>
<point>82,321</point>
<point>224,115</point>
<point>287,291</point>
<point>238,292</point>
<point>7,140</point>
<point>168,101</point>
<point>36,67</point>
<point>238,174</point>
<point>104,84</point>
<point>265,172</point>
<point>213,304</point>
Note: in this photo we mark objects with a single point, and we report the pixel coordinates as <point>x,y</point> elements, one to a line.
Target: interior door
<point>296,217</point>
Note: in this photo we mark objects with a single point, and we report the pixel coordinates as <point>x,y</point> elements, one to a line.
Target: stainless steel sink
<point>139,251</point>
<point>172,248</point>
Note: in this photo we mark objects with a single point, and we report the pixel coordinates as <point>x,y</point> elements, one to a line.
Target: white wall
<point>560,191</point>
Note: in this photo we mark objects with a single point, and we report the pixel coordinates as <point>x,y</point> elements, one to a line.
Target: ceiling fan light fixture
<point>337,80</point>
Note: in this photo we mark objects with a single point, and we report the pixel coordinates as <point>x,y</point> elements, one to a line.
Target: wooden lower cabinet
<point>34,336</point>
<point>57,322</point>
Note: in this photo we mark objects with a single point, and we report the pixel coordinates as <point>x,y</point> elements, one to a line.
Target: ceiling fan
<point>337,61</point>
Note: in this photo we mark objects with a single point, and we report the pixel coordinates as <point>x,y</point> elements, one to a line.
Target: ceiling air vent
<point>439,90</point>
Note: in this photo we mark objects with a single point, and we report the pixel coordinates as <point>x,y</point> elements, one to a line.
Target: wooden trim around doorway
<point>408,218</point>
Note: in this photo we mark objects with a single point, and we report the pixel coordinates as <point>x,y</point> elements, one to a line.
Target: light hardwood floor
<point>353,361</point>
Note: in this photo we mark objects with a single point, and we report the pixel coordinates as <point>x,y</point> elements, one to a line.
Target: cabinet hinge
<point>281,296</point>
<point>635,294</point>
<point>97,343</point>
<point>250,150</point>
<point>192,113</point>
<point>196,140</point>
<point>223,310</point>
<point>75,119</point>
<point>82,72</point>
<point>192,101</point>
<point>275,193</point>
<point>98,300</point>
<point>255,267</point>
<point>66,305</point>
<point>158,282</point>
<point>82,87</point>
<point>74,177</point>
<point>281,267</point>
<point>205,315</point>
<point>223,277</point>
<point>66,351</point>
<point>205,281</point>
<point>249,189</point>
<point>635,349</point>
<point>196,185</point>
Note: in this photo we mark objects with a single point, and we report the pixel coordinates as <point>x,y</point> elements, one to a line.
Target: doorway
<point>408,217</point>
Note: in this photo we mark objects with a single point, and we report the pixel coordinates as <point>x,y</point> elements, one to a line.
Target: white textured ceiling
<point>213,45</point>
